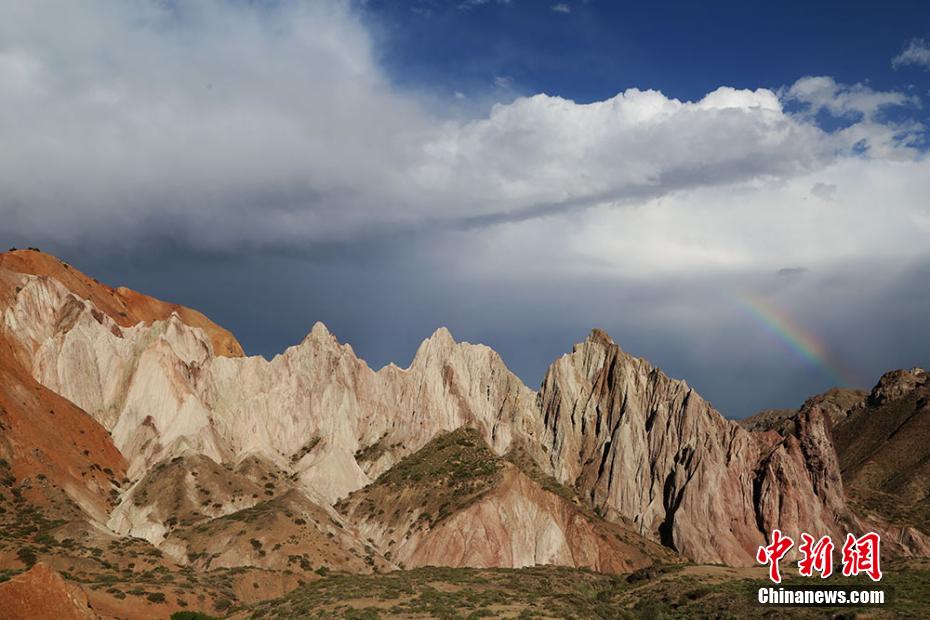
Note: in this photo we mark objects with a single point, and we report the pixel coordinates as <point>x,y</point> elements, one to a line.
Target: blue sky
<point>684,49</point>
<point>517,173</point>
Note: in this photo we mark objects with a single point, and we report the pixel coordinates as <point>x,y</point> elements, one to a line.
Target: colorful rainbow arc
<point>785,329</point>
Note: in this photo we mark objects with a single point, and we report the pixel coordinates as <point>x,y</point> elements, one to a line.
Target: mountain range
<point>148,466</point>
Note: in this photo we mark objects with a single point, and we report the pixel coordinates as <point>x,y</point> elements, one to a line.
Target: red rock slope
<point>41,593</point>
<point>43,434</point>
<point>125,306</point>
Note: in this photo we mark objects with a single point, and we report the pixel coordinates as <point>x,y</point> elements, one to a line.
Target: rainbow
<point>777,323</point>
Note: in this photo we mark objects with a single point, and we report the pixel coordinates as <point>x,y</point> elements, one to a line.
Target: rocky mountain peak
<point>896,384</point>
<point>124,306</point>
<point>599,336</point>
<point>437,347</point>
<point>442,338</point>
<point>320,333</point>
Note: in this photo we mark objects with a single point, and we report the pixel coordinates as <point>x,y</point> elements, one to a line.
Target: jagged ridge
<point>635,445</point>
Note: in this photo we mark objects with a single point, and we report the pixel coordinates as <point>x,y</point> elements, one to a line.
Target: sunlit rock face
<point>650,449</point>
<point>638,446</point>
<point>456,503</point>
<point>161,392</point>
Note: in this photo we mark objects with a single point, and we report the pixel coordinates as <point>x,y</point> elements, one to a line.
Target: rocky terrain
<point>882,440</point>
<point>148,462</point>
<point>40,592</point>
<point>454,503</point>
<point>884,448</point>
<point>648,448</point>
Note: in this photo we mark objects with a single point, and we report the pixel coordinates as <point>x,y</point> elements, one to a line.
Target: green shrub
<point>156,597</point>
<point>191,615</point>
<point>27,556</point>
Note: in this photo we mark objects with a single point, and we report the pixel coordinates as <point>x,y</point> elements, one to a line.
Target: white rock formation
<point>162,393</point>
<point>638,445</point>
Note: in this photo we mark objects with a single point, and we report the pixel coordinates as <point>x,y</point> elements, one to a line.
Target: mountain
<point>882,442</point>
<point>648,448</point>
<point>884,450</point>
<point>455,503</point>
<point>66,457</point>
<point>145,454</point>
<point>835,402</point>
<point>124,306</point>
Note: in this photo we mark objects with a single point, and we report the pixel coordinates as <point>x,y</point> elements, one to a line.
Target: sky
<point>738,192</point>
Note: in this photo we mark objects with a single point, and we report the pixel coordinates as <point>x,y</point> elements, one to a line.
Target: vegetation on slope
<point>884,451</point>
<point>446,475</point>
<point>683,591</point>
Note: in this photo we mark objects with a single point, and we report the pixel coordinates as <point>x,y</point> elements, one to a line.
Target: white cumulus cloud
<point>824,93</point>
<point>917,52</point>
<point>231,125</point>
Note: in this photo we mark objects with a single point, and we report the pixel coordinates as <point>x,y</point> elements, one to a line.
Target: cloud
<point>917,53</point>
<point>561,7</point>
<point>755,226</point>
<point>162,118</point>
<point>468,4</point>
<point>824,191</point>
<point>233,126</point>
<point>503,81</point>
<point>860,101</point>
<point>863,108</point>
<point>544,154</point>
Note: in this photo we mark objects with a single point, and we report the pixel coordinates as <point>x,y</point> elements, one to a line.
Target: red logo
<point>773,553</point>
<point>817,557</point>
<point>860,555</point>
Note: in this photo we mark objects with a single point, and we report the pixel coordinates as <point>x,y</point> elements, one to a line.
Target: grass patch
<point>551,592</point>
